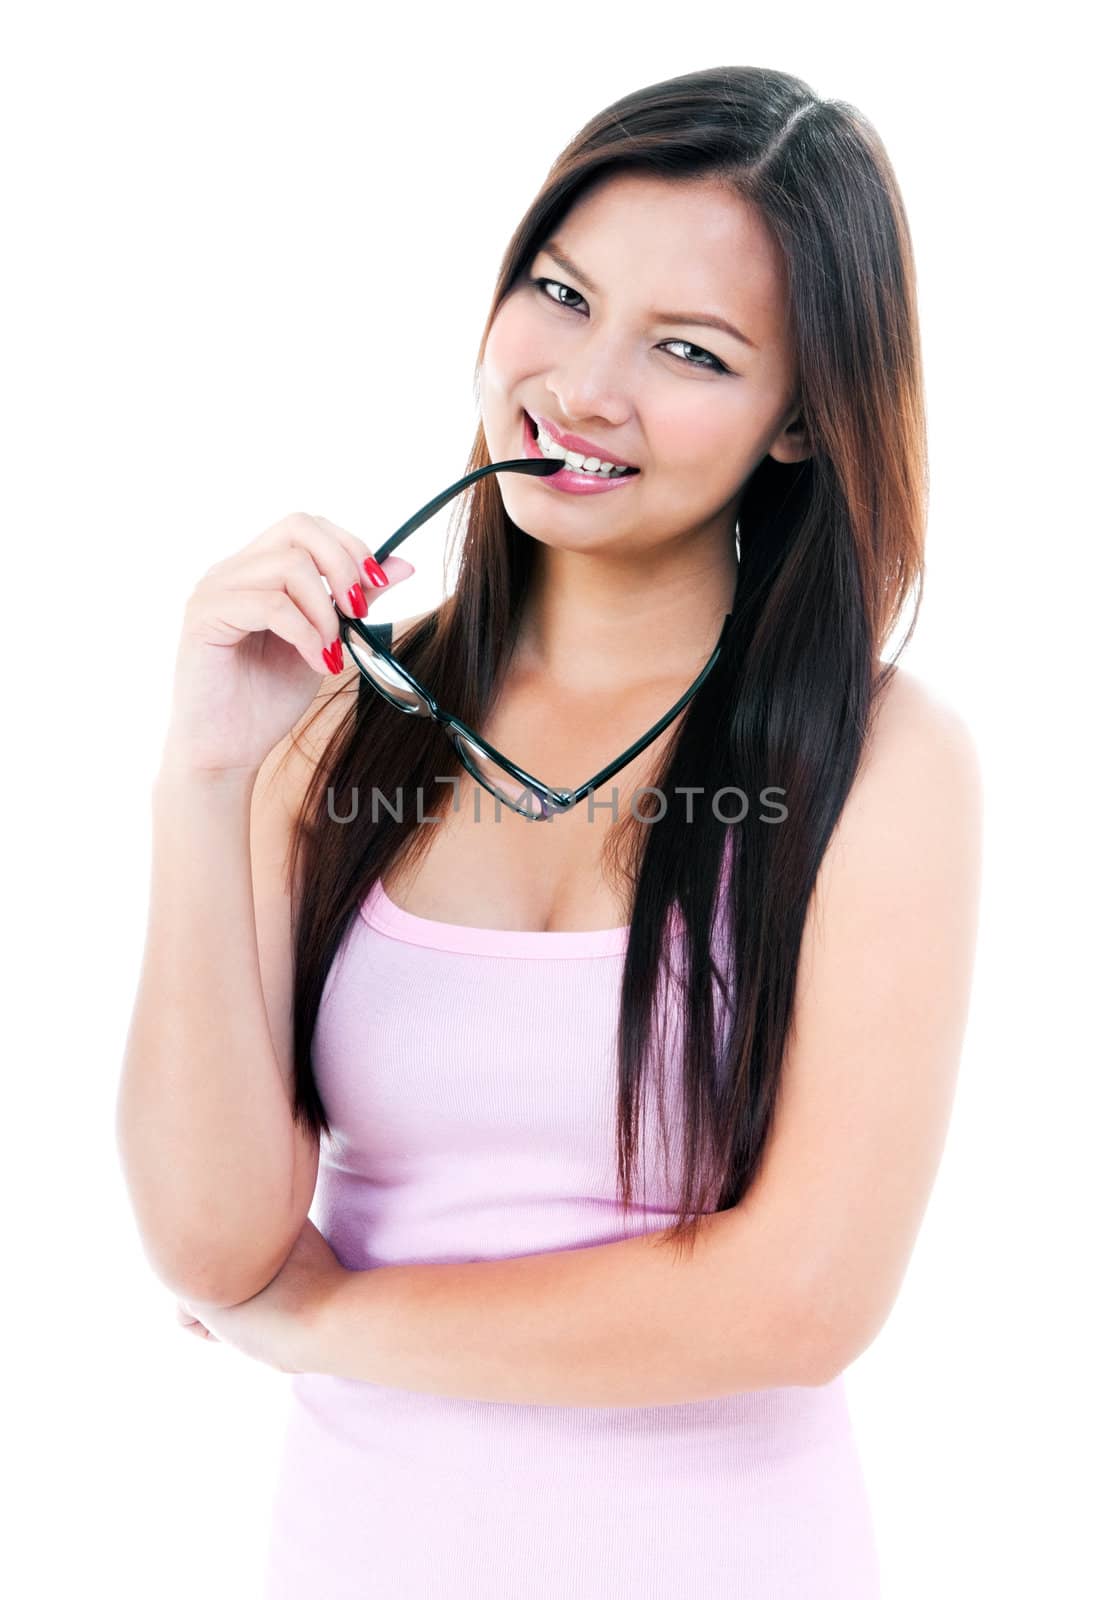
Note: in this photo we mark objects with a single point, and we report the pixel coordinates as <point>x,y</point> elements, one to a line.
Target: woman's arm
<point>219,1173</point>
<point>792,1284</point>
<point>621,1324</point>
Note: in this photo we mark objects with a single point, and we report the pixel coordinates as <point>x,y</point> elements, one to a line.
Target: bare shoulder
<point>919,786</point>
<point>914,725</point>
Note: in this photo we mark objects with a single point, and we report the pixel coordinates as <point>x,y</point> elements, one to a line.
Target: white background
<point>247,253</point>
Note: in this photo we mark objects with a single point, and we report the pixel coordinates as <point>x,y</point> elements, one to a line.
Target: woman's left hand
<point>277,1324</point>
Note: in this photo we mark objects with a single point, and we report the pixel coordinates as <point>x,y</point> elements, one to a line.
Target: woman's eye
<point>540,285</point>
<point>709,364</point>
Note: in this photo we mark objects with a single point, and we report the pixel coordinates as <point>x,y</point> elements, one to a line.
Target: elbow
<point>201,1279</point>
<point>204,1274</point>
<point>819,1362</point>
<point>216,1257</point>
<point>828,1337</point>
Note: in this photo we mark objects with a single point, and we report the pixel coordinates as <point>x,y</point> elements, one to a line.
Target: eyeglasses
<point>512,785</point>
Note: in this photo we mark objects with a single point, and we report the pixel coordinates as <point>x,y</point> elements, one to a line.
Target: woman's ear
<point>792,443</point>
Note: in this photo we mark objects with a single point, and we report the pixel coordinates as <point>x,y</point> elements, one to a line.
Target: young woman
<point>718,1006</point>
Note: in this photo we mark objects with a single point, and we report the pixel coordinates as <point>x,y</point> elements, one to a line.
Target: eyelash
<point>716,364</point>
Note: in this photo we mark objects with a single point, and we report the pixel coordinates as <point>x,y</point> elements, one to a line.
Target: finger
<point>395,568</point>
<point>338,574</point>
<point>243,611</point>
<point>306,529</point>
<point>293,571</point>
<point>192,1324</point>
<point>352,575</point>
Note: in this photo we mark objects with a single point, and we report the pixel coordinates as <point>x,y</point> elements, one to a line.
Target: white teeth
<point>603,469</point>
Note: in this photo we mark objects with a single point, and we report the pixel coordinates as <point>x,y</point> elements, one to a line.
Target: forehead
<point>693,243</point>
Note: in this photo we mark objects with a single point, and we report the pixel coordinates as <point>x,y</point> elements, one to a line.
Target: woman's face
<point>695,408</point>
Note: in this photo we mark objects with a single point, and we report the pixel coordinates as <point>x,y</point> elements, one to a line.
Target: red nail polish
<point>332,656</point>
<point>356,600</point>
<point>375,572</point>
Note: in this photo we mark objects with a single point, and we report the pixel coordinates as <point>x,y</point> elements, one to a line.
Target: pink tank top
<point>469,1076</point>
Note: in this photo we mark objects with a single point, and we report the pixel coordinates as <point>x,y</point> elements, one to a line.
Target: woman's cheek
<point>513,350</point>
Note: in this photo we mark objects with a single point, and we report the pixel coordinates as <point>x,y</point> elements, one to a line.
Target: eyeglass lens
<point>507,788</point>
<point>480,765</point>
<point>390,683</point>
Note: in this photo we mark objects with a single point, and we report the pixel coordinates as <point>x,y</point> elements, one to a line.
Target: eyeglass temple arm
<point>652,733</point>
<point>538,469</point>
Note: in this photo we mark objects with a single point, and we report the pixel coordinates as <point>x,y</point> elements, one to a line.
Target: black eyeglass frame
<point>553,801</point>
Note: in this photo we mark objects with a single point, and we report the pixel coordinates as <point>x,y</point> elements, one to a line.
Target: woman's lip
<point>574,442</point>
<point>567,480</point>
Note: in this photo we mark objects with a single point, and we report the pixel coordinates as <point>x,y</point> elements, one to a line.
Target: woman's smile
<point>569,480</point>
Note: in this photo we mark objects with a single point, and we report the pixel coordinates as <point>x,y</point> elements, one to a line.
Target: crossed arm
<point>792,1284</point>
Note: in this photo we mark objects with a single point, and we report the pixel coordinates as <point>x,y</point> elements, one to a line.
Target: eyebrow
<point>700,319</point>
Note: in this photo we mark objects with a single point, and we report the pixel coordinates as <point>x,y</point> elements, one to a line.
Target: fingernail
<point>357,601</point>
<point>332,656</point>
<point>375,572</point>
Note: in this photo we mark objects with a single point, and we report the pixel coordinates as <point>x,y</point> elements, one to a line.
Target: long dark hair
<point>830,551</point>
